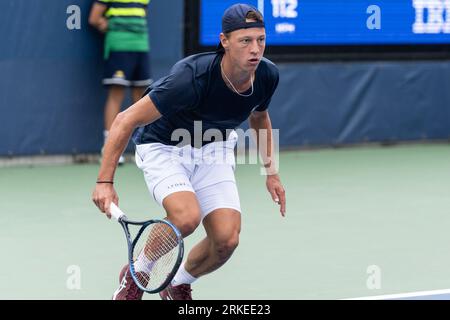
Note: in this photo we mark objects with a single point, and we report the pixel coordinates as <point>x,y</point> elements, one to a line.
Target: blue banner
<point>339,22</point>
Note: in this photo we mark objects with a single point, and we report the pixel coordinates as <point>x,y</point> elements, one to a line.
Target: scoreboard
<point>295,24</point>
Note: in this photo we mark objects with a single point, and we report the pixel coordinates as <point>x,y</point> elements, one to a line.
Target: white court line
<point>404,295</point>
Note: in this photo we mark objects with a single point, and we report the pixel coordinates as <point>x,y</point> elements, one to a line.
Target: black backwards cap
<point>234,18</point>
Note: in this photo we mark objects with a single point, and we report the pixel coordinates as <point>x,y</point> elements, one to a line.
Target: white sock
<point>143,264</point>
<point>182,277</point>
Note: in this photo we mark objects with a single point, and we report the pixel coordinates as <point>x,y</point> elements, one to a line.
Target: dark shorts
<point>130,69</point>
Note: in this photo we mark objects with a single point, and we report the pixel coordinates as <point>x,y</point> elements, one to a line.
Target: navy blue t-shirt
<point>195,91</point>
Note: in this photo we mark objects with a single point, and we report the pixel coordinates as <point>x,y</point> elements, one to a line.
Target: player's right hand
<point>103,195</point>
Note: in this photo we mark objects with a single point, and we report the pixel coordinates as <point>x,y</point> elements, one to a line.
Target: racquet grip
<point>115,211</point>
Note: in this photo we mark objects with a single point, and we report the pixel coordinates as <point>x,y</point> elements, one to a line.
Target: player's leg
<point>169,185</point>
<point>220,206</point>
<point>220,203</point>
<point>183,211</point>
<point>216,191</point>
<point>222,228</point>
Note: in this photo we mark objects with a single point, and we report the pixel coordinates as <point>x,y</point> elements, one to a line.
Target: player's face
<point>246,47</point>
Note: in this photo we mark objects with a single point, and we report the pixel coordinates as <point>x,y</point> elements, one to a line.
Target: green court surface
<point>348,209</point>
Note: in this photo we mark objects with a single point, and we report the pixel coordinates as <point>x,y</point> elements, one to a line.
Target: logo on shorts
<point>119,74</point>
<point>176,185</point>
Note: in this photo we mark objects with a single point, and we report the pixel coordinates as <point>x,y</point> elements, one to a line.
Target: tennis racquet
<point>154,254</point>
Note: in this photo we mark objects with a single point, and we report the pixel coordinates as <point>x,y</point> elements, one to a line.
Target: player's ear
<point>224,41</point>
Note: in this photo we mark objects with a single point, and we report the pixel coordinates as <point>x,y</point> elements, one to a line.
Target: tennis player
<point>184,133</point>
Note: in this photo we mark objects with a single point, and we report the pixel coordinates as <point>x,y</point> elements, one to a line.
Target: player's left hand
<point>277,192</point>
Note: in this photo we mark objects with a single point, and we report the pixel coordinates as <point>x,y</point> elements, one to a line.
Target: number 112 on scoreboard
<point>282,8</point>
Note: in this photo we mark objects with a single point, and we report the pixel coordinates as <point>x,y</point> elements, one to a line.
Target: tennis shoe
<point>128,289</point>
<point>180,292</point>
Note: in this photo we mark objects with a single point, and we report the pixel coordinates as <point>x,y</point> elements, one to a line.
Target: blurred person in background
<point>126,52</point>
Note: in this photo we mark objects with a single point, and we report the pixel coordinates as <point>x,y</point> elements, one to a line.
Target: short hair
<point>254,15</point>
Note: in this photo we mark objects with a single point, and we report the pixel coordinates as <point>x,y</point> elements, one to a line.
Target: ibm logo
<point>432,16</point>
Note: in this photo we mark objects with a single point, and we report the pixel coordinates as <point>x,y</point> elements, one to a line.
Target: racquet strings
<point>155,255</point>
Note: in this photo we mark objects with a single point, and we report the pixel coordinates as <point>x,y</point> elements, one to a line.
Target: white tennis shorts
<point>208,172</point>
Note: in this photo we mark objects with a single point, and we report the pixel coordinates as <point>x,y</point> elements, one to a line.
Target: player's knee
<point>185,218</point>
<point>225,248</point>
<point>187,227</point>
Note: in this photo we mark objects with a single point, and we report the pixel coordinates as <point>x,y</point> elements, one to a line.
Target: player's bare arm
<point>96,18</point>
<point>141,113</point>
<point>261,121</point>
